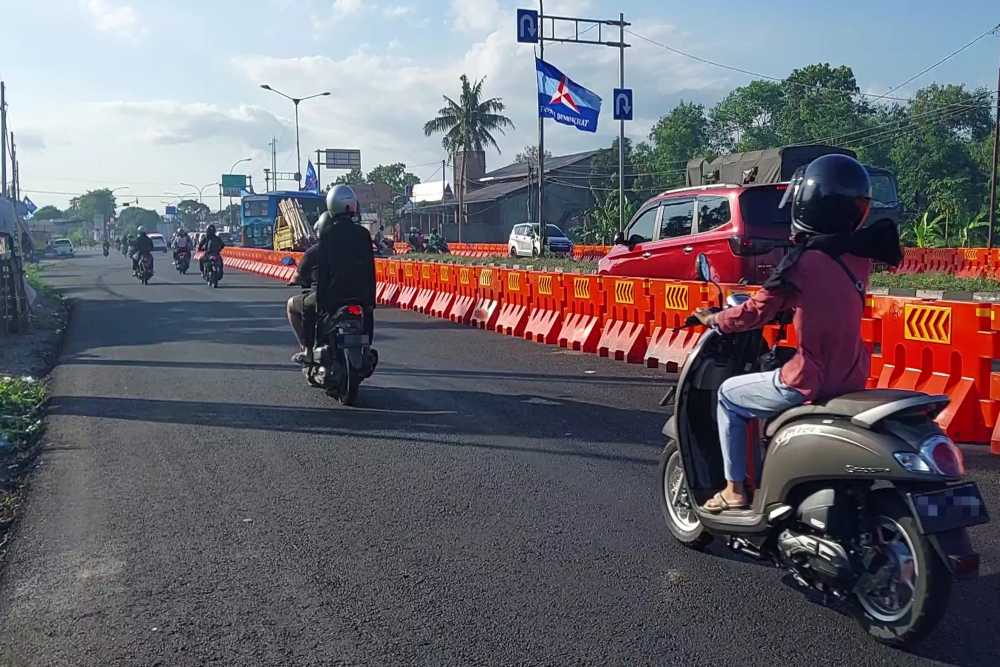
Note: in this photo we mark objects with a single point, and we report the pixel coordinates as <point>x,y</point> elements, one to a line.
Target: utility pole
<point>3,139</point>
<point>274,163</point>
<point>319,184</point>
<point>14,194</point>
<point>621,128</point>
<point>993,176</point>
<point>541,139</point>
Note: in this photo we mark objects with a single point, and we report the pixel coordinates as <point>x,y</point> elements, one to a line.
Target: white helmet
<point>341,201</point>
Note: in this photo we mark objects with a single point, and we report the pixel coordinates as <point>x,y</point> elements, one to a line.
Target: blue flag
<point>30,205</point>
<point>312,181</point>
<point>565,101</point>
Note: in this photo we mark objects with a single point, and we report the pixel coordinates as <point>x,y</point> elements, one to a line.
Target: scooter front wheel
<point>676,500</point>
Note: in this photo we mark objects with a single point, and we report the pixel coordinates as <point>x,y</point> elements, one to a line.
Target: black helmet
<point>211,230</point>
<point>830,195</point>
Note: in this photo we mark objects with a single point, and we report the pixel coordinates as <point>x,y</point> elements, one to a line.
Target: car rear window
<point>61,242</point>
<point>759,208</point>
<point>883,190</point>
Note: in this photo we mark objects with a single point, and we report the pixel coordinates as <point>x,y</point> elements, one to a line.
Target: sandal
<point>718,503</point>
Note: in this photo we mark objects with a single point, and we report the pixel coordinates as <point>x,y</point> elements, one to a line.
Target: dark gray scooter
<point>859,498</point>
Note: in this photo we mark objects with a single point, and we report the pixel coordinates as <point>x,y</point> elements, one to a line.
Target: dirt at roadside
<point>34,353</point>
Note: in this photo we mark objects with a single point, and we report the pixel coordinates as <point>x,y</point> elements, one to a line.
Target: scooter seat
<point>846,405</point>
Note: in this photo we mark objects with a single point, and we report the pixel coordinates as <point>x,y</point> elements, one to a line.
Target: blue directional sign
<point>623,103</point>
<point>527,26</point>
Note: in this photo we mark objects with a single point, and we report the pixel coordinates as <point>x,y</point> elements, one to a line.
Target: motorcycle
<point>211,271</point>
<point>145,269</point>
<point>107,249</point>
<point>342,355</point>
<point>859,497</point>
<point>182,261</point>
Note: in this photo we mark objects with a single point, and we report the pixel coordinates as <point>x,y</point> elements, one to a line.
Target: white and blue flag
<point>565,101</point>
<point>312,181</point>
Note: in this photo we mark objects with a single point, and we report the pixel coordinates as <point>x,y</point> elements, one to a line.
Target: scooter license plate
<point>351,340</point>
<point>954,507</point>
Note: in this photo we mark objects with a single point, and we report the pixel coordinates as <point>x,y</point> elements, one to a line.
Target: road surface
<point>490,501</point>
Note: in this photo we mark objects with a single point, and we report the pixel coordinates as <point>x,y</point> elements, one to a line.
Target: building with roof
<point>495,201</point>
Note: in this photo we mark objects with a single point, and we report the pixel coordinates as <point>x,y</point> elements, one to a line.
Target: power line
<point>764,76</point>
<point>991,31</point>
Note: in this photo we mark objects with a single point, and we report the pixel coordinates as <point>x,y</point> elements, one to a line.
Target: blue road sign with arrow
<point>527,26</point>
<point>623,103</point>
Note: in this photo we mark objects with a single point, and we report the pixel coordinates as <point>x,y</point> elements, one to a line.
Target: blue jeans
<point>742,398</point>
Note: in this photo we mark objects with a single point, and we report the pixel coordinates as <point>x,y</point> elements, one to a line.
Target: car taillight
<point>943,455</point>
<point>745,247</point>
<point>355,310</point>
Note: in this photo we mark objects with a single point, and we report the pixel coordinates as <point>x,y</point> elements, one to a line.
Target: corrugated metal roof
<point>495,191</point>
<point>520,169</point>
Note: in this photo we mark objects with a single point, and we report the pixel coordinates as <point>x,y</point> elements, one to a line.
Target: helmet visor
<point>793,187</point>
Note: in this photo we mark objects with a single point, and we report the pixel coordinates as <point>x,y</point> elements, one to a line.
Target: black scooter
<point>182,261</point>
<point>211,271</point>
<point>342,354</point>
<point>860,497</point>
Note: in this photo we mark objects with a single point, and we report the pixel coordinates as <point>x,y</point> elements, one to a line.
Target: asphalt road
<point>491,501</point>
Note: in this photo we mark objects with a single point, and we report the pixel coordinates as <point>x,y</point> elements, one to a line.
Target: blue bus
<point>259,212</point>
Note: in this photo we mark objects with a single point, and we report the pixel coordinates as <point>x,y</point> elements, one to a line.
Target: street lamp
<point>295,101</point>
<point>232,223</point>
<point>200,190</point>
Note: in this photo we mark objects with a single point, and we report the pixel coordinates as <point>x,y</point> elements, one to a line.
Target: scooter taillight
<point>945,456</point>
<point>357,311</point>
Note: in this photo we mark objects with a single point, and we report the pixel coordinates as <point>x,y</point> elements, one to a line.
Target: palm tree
<point>468,125</point>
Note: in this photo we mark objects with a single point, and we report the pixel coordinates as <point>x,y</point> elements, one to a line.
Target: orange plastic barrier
<point>466,298</point>
<point>425,292</point>
<point>545,319</point>
<point>445,288</point>
<point>629,310</point>
<point>489,295</point>
<point>517,299</point>
<point>411,285</point>
<point>583,312</point>
<point>669,343</point>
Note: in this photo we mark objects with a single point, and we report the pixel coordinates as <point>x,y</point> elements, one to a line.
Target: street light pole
<point>232,223</point>
<point>295,101</point>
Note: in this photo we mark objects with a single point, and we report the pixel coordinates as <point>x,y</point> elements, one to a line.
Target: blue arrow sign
<point>623,103</point>
<point>527,26</point>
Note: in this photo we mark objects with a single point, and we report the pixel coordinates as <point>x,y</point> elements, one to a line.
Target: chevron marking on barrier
<point>463,276</point>
<point>676,297</point>
<point>513,282</point>
<point>929,324</point>
<point>425,271</point>
<point>581,288</point>
<point>545,285</point>
<point>624,291</point>
<point>486,278</point>
<point>443,274</point>
<point>408,270</point>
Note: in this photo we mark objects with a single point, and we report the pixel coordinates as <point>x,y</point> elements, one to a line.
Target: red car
<point>739,228</point>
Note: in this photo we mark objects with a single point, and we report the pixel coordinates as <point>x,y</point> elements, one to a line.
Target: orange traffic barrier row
<point>946,347</point>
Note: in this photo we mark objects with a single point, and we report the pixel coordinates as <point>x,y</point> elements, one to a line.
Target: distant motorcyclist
<point>416,240</point>
<point>340,270</point>
<point>823,280</point>
<point>211,245</point>
<point>126,244</point>
<point>107,246</point>
<point>181,244</point>
<point>141,247</point>
<point>436,243</point>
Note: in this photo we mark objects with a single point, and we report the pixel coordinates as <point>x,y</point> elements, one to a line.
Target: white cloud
<point>347,6</point>
<point>120,19</point>
<point>169,123</point>
<point>398,11</point>
<point>476,15</point>
<point>28,140</point>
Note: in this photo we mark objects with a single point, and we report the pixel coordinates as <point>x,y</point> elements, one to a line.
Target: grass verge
<point>537,263</point>
<point>22,403</point>
<point>934,281</point>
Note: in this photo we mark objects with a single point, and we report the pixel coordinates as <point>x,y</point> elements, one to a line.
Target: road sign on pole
<point>233,184</point>
<point>527,26</point>
<point>342,158</point>
<point>623,103</point>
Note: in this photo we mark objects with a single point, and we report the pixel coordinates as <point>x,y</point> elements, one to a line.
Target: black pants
<point>135,261</point>
<point>305,305</point>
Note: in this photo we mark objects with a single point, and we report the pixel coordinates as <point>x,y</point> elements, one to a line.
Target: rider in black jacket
<point>340,269</point>
<point>211,244</point>
<point>142,246</point>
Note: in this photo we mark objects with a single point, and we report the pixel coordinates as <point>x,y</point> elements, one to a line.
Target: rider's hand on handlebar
<point>705,316</point>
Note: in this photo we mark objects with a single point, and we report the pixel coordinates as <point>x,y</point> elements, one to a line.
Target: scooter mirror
<point>703,268</point>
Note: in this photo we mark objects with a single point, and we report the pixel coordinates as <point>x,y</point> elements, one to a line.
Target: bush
<point>538,263</point>
<point>934,281</point>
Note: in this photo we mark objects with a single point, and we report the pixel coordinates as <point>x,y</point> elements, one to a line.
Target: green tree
<point>134,216</point>
<point>395,176</point>
<point>192,213</point>
<point>677,137</point>
<point>93,204</point>
<point>47,213</point>
<point>530,154</point>
<point>820,104</point>
<point>601,223</point>
<point>747,119</point>
<point>352,177</point>
<point>468,125</point>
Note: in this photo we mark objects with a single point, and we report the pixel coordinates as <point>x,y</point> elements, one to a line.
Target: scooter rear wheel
<point>907,595</point>
<point>676,501</point>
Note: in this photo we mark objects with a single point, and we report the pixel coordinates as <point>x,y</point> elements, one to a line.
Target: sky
<point>145,96</point>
